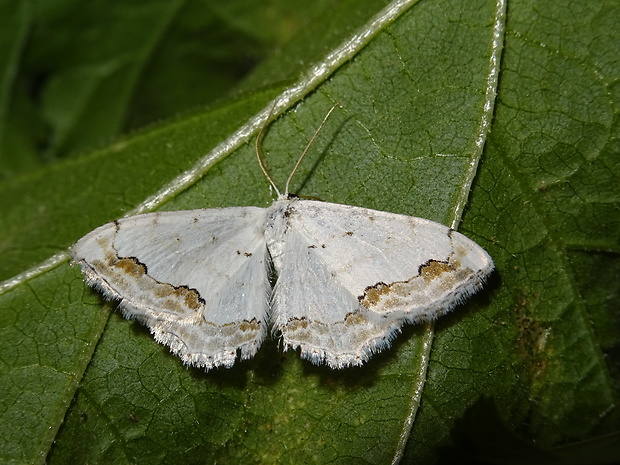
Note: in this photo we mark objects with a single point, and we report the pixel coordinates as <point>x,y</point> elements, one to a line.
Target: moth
<point>347,278</point>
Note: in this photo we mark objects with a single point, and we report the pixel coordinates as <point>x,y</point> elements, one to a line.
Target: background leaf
<point>526,370</point>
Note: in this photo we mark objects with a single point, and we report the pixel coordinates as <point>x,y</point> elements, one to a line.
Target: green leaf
<point>527,366</point>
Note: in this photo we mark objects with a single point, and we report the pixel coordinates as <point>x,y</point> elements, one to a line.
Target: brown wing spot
<point>433,269</point>
<point>429,271</point>
<point>295,324</point>
<point>354,319</point>
<point>372,294</point>
<point>253,325</point>
<point>348,233</point>
<point>131,266</point>
<point>190,296</point>
<point>231,330</point>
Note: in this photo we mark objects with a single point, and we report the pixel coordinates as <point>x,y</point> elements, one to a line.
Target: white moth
<point>348,278</point>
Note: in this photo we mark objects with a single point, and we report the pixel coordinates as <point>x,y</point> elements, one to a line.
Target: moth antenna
<point>303,154</point>
<point>259,154</point>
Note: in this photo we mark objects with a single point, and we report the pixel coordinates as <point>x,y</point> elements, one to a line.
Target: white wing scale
<point>198,279</point>
<point>348,277</point>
